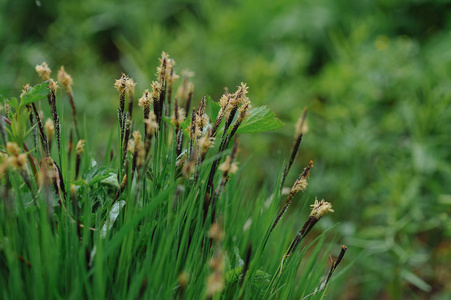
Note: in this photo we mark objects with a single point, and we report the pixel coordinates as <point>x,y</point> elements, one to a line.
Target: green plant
<point>165,217</point>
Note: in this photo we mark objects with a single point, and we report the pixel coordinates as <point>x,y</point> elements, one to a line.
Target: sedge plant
<point>168,216</point>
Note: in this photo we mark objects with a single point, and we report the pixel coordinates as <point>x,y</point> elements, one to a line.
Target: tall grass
<point>170,214</point>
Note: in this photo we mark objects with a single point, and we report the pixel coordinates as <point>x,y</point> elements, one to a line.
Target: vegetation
<point>374,76</point>
<point>159,219</point>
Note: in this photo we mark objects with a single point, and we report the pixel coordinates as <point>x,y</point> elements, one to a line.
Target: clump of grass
<point>166,218</point>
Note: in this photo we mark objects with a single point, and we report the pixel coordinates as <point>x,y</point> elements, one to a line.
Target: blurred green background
<point>375,76</point>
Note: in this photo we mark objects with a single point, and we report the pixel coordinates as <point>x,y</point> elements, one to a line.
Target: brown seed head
<point>320,208</point>
<point>201,122</point>
<point>184,279</point>
<point>206,142</point>
<point>299,185</point>
<point>240,94</point>
<point>49,128</point>
<point>151,123</point>
<point>170,75</point>
<point>215,282</point>
<point>80,147</point>
<point>73,190</point>
<point>18,161</point>
<point>25,89</point>
<point>12,148</point>
<point>65,80</point>
<point>216,233</point>
<point>228,166</point>
<point>145,100</point>
<point>130,86</point>
<point>301,126</point>
<point>44,71</point>
<point>53,85</point>
<point>161,70</point>
<point>121,84</point>
<point>138,147</point>
<point>156,90</point>
<point>181,117</point>
<point>224,101</point>
<point>244,110</point>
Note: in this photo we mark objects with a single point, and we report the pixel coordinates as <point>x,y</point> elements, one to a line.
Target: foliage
<point>374,75</point>
<point>164,218</point>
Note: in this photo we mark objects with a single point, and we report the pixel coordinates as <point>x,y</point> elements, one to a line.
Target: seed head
<point>121,84</point>
<point>240,94</point>
<point>224,101</point>
<point>301,126</point>
<point>53,85</point>
<point>138,148</point>
<point>80,147</point>
<point>25,89</point>
<point>181,117</point>
<point>12,148</point>
<point>201,122</point>
<point>215,282</point>
<point>131,146</point>
<point>130,86</point>
<point>170,75</point>
<point>73,190</point>
<point>184,279</point>
<point>320,208</point>
<point>206,142</point>
<point>18,161</point>
<point>151,123</point>
<point>49,128</point>
<point>228,167</point>
<point>216,233</point>
<point>65,80</point>
<point>299,185</point>
<point>156,90</point>
<point>161,70</point>
<point>44,71</point>
<point>244,110</point>
<point>145,100</point>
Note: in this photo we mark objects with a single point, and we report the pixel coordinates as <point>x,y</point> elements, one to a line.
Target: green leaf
<point>184,126</point>
<point>36,93</point>
<point>415,280</point>
<point>212,108</point>
<point>261,119</point>
<point>13,103</point>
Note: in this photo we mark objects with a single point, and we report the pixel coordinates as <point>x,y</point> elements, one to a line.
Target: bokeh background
<point>375,76</point>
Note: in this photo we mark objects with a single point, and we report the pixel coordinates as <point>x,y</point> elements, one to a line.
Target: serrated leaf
<point>212,108</point>
<point>184,126</point>
<point>261,119</point>
<point>111,180</point>
<point>36,93</point>
<point>13,103</point>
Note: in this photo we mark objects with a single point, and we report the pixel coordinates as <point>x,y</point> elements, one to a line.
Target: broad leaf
<point>36,93</point>
<point>261,119</point>
<point>184,126</point>
<point>212,108</point>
